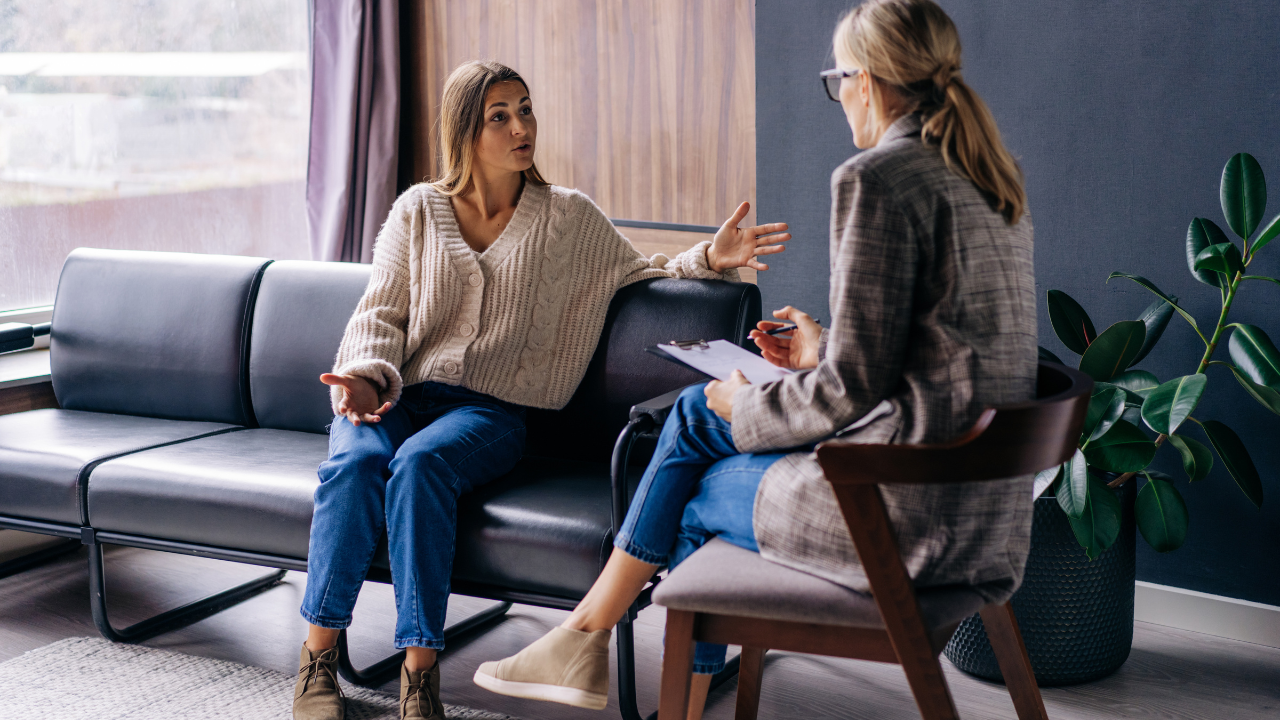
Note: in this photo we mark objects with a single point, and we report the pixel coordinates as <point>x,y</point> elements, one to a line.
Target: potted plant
<point>1075,607</point>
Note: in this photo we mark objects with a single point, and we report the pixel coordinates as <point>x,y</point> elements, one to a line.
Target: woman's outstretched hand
<point>720,394</point>
<point>796,350</point>
<point>359,398</point>
<point>735,247</point>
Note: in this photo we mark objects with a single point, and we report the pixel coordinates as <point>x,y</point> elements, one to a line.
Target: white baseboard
<point>1210,614</point>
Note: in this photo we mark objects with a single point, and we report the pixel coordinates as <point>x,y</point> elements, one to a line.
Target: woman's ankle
<point>320,639</point>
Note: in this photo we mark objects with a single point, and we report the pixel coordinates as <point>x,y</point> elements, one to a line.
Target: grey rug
<point>93,679</point>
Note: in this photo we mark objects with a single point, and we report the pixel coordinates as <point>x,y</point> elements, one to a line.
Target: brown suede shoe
<point>564,666</point>
<point>420,694</point>
<point>317,696</point>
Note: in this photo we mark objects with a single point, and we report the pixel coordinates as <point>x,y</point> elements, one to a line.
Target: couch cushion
<point>154,334</point>
<point>246,490</point>
<point>298,320</point>
<point>726,579</point>
<point>44,453</point>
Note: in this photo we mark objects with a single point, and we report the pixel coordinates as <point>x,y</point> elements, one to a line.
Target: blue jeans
<point>697,487</point>
<point>404,475</point>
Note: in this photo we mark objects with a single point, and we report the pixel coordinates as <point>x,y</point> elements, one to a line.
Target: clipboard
<point>718,359</point>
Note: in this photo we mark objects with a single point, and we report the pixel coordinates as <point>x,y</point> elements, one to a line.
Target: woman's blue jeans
<point>697,487</point>
<point>404,475</point>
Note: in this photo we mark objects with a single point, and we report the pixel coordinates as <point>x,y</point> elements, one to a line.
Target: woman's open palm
<point>359,398</point>
<point>735,247</point>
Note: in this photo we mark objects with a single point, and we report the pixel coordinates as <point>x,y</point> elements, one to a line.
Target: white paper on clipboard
<point>721,357</point>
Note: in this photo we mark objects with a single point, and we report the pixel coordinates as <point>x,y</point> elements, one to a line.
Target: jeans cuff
<point>644,555</point>
<point>402,643</point>
<point>324,623</point>
<point>708,668</point>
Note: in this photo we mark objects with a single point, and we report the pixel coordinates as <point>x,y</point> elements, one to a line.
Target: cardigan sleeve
<point>873,275</point>
<point>373,345</point>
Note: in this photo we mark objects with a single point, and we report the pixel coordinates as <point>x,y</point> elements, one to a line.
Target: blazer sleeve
<point>873,274</point>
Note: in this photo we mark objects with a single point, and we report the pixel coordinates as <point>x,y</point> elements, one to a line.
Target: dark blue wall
<point>1122,115</point>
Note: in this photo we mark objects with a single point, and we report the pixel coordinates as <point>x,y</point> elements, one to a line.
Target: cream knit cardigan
<point>519,321</point>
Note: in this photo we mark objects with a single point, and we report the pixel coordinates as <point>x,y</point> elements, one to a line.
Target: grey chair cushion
<point>249,490</point>
<point>44,453</point>
<point>301,312</point>
<point>728,580</point>
<point>154,334</point>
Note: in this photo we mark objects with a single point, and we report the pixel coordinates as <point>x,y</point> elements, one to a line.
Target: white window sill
<point>25,367</point>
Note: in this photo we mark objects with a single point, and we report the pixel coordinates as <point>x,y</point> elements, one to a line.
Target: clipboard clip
<point>690,344</point>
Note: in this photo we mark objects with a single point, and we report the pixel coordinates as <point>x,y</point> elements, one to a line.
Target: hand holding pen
<point>793,346</point>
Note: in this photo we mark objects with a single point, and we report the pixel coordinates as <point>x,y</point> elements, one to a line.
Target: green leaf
<point>1243,194</point>
<point>1168,405</point>
<point>1267,397</point>
<point>1073,487</point>
<point>1113,351</point>
<point>1156,319</point>
<point>1099,525</point>
<point>1124,448</point>
<point>1267,235</point>
<point>1045,480</point>
<point>1260,277</point>
<point>1196,458</point>
<point>1161,514</point>
<point>1201,234</point>
<point>1158,293</point>
<point>1105,408</point>
<point>1046,355</point>
<point>1223,258</point>
<point>1137,385</point>
<point>1255,354</point>
<point>1070,322</point>
<point>1236,458</point>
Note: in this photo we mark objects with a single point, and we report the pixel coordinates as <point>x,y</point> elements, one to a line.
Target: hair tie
<point>945,75</point>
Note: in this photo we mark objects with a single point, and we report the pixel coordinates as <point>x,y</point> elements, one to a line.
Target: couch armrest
<point>656,408</point>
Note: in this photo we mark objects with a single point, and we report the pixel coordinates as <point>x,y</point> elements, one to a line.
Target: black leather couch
<point>191,420</point>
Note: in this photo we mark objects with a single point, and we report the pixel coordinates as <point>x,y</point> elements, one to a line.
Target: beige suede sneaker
<point>564,666</point>
<point>316,696</point>
<point>420,694</point>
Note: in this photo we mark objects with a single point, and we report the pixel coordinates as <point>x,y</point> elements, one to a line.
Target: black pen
<point>775,331</point>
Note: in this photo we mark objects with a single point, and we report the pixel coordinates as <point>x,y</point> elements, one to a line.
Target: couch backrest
<point>156,334</point>
<point>302,310</point>
<point>622,374</point>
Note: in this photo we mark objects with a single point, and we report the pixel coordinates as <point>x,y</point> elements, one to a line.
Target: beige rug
<point>93,679</point>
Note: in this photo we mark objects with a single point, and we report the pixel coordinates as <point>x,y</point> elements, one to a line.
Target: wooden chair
<point>724,594</point>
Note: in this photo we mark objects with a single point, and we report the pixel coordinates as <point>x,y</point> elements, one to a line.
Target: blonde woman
<point>933,306</point>
<point>488,295</point>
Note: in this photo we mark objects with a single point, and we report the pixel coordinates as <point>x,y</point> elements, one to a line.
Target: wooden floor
<point>1171,673</point>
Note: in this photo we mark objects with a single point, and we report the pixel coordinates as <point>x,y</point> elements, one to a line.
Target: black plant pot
<point>1076,616</point>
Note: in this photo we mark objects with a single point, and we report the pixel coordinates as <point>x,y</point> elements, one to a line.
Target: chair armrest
<point>657,408</point>
<point>16,336</point>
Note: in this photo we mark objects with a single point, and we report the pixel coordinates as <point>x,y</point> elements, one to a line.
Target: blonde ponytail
<point>912,47</point>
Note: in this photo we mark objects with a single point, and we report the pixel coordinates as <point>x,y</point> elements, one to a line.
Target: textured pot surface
<point>1076,616</point>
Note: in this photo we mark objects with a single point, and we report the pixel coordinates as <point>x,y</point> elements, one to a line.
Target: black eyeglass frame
<point>836,74</point>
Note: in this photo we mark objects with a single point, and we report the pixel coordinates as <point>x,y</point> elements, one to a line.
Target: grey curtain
<point>355,125</point>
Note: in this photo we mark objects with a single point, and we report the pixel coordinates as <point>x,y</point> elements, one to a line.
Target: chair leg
<point>750,678</point>
<point>1015,665</point>
<point>677,666</point>
<point>929,686</point>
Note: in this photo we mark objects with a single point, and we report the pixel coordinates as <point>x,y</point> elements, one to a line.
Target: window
<point>149,125</point>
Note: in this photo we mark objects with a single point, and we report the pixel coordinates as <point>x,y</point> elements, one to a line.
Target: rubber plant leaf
<point>1158,293</point>
<point>1236,458</point>
<point>1045,480</point>
<point>1072,489</point>
<point>1267,397</point>
<point>1156,318</point>
<point>1243,194</point>
<point>1168,405</point>
<point>1105,408</point>
<point>1201,234</point>
<point>1267,235</point>
<point>1137,385</point>
<point>1070,322</point>
<point>1124,448</point>
<point>1044,354</point>
<point>1099,525</point>
<point>1161,514</point>
<point>1223,258</point>
<point>1113,351</point>
<point>1254,353</point>
<point>1197,460</point>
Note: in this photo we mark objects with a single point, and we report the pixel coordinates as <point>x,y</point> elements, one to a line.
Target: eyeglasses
<point>831,80</point>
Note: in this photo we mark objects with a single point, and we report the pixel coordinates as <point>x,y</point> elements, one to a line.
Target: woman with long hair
<point>488,295</point>
<point>933,319</point>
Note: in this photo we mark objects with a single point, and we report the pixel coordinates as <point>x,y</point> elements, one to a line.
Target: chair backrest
<point>622,374</point>
<point>1005,442</point>
<point>155,334</point>
<point>298,321</point>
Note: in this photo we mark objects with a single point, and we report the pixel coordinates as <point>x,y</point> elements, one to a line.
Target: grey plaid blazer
<point>933,318</point>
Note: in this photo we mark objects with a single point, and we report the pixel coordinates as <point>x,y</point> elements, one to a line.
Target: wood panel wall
<point>647,106</point>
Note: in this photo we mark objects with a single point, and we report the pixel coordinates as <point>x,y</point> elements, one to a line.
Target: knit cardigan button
<point>465,329</point>
<point>451,367</point>
<point>474,280</point>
